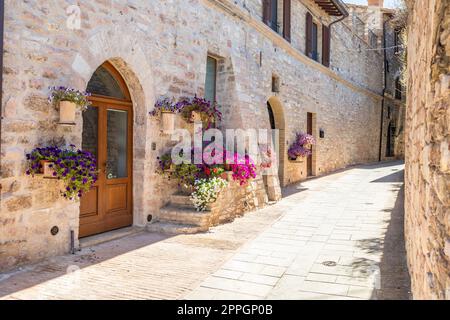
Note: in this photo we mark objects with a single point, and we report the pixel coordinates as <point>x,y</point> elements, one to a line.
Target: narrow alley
<point>335,237</point>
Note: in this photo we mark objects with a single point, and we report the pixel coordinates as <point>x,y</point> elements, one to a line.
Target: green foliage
<point>207,191</point>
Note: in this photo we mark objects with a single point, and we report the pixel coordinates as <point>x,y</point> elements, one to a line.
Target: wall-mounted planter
<point>298,159</point>
<point>168,122</point>
<point>195,117</point>
<point>67,111</point>
<point>47,169</point>
<point>227,175</point>
<point>186,189</point>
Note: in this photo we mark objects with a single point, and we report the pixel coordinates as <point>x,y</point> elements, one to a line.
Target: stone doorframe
<point>280,124</point>
<point>122,50</point>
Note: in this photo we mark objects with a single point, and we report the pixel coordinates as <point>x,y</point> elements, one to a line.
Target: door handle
<point>106,166</point>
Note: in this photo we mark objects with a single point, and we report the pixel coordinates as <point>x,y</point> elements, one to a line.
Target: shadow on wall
<point>394,281</point>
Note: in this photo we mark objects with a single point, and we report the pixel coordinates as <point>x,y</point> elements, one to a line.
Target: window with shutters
<point>211,79</point>
<point>270,14</point>
<point>314,48</point>
<point>326,39</point>
<point>277,15</point>
<point>314,35</point>
<point>287,20</point>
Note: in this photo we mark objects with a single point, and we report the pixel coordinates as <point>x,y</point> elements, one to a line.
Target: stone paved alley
<point>334,237</point>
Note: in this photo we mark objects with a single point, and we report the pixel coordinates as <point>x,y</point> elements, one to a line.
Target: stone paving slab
<point>342,226</point>
<point>334,237</point>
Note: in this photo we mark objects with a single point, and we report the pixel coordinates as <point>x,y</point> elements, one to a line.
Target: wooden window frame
<point>210,56</point>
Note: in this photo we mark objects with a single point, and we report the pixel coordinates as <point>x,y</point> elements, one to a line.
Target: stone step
<point>184,215</point>
<point>175,228</point>
<point>109,236</point>
<point>181,200</point>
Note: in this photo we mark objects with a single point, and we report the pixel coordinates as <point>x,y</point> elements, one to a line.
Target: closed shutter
<point>326,46</point>
<point>266,11</point>
<point>309,26</point>
<point>287,20</point>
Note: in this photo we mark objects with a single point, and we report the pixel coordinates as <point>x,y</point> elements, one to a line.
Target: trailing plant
<point>77,168</point>
<point>213,171</point>
<point>243,167</point>
<point>206,192</point>
<point>61,93</point>
<point>184,173</point>
<point>209,112</point>
<point>164,104</point>
<point>165,163</point>
<point>301,146</point>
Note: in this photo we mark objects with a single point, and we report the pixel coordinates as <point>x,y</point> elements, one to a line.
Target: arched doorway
<point>107,134</point>
<point>390,138</point>
<point>277,123</point>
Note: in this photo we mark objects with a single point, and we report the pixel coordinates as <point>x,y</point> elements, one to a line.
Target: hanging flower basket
<point>301,148</point>
<point>67,111</point>
<point>47,169</point>
<point>195,117</point>
<point>168,122</point>
<point>68,99</point>
<point>76,168</point>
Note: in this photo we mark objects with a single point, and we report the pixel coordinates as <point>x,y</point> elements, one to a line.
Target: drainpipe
<point>384,90</point>
<point>342,8</point>
<point>338,20</point>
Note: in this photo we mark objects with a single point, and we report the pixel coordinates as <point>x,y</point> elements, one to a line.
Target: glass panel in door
<point>90,131</point>
<point>117,144</point>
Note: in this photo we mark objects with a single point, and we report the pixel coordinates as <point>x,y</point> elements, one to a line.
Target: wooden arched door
<point>107,134</point>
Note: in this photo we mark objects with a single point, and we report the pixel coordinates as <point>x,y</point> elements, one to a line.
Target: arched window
<point>107,82</point>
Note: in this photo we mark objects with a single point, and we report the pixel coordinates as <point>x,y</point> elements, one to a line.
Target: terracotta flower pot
<point>168,122</point>
<point>67,111</point>
<point>195,116</point>
<point>186,189</point>
<point>47,169</point>
<point>228,176</point>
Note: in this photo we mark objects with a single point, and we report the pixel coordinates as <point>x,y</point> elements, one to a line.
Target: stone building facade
<point>378,25</point>
<point>427,180</point>
<point>160,48</point>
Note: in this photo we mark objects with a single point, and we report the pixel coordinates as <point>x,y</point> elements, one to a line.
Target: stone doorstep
<point>109,236</point>
<point>184,215</point>
<point>181,199</point>
<point>175,228</point>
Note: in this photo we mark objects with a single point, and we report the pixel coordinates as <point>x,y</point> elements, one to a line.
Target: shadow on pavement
<point>393,282</point>
<point>58,266</point>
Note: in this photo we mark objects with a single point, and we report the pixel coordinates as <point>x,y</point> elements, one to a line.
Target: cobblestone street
<point>334,237</point>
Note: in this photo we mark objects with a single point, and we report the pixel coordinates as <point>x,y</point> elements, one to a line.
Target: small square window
<point>275,84</point>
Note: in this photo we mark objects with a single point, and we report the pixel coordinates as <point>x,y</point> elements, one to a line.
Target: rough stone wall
<point>159,51</point>
<point>367,20</point>
<point>427,202</point>
<point>235,200</point>
<point>395,109</point>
